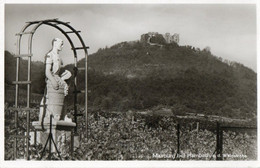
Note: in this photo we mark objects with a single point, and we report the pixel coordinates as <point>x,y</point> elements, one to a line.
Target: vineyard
<point>118,136</point>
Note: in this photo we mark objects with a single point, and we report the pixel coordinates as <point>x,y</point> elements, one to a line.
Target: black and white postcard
<point>149,83</point>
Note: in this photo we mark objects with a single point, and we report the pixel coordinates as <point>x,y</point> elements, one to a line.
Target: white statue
<point>57,88</point>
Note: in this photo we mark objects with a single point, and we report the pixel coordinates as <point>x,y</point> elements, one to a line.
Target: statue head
<point>57,44</point>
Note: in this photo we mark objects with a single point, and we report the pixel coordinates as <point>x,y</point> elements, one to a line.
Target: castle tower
<point>167,37</point>
<point>175,38</point>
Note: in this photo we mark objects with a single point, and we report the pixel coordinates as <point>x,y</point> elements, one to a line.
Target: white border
<point>137,164</point>
<point>134,164</point>
<point>258,80</point>
<point>130,2</point>
<point>2,81</point>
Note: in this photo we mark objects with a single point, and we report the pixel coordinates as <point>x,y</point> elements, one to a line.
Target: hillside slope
<point>137,76</point>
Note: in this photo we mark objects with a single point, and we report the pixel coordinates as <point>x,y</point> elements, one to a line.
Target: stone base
<point>61,131</point>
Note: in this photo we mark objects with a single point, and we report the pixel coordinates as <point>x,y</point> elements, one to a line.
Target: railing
<point>223,131</point>
<point>222,135</point>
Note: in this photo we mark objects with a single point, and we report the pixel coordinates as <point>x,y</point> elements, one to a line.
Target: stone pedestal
<point>61,131</point>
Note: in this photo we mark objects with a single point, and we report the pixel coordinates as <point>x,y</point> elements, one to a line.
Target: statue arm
<point>49,75</point>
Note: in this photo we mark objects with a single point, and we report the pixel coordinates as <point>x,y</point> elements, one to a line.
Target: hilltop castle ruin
<point>166,38</point>
<point>174,38</point>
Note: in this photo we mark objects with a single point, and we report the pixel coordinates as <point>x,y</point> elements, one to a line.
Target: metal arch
<point>18,52</point>
<point>46,23</point>
<point>30,51</point>
<point>53,23</point>
<point>78,35</point>
<point>57,27</point>
<point>62,23</point>
<point>65,34</point>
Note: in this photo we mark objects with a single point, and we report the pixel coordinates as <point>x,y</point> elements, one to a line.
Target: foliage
<point>117,137</point>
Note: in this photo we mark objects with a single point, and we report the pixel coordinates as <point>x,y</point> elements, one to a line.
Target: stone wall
<point>175,38</point>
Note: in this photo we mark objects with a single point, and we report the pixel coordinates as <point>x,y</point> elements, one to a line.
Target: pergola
<point>66,29</point>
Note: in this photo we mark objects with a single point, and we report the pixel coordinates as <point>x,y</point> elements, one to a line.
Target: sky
<point>228,29</point>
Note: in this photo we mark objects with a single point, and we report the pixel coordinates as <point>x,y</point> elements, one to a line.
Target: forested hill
<point>136,59</point>
<point>135,75</point>
<point>138,76</point>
